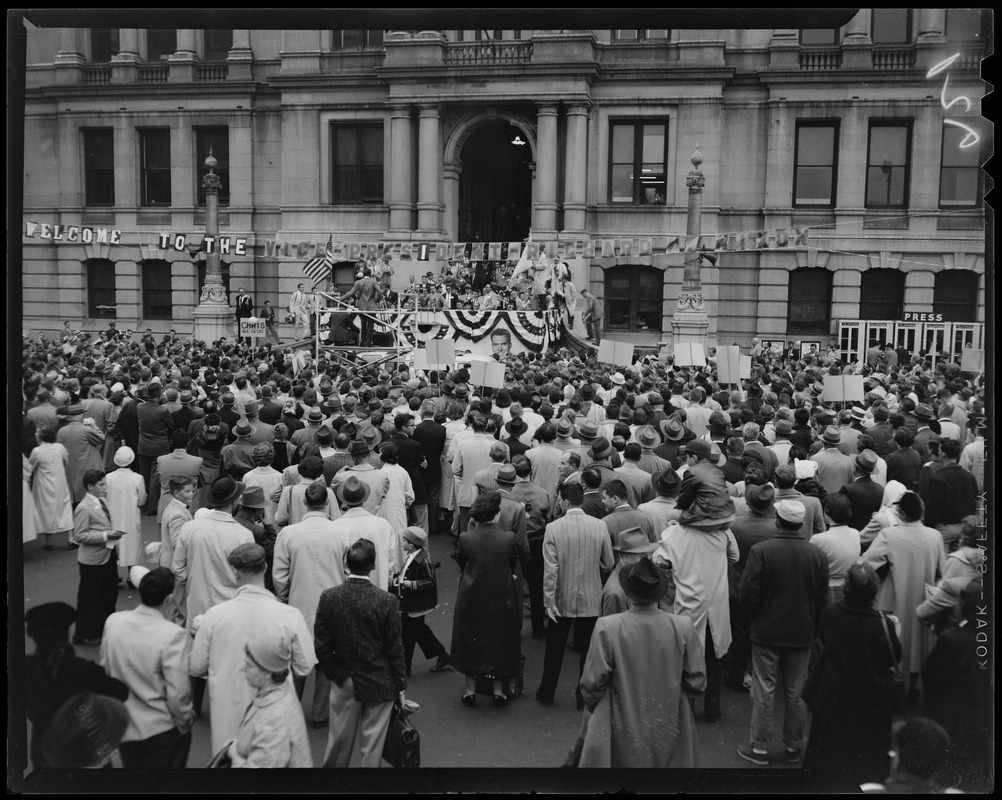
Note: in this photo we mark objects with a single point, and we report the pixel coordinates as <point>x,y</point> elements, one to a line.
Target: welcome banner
<point>601,247</point>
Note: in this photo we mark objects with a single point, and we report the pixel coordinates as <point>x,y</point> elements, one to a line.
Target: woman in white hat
<point>126,498</point>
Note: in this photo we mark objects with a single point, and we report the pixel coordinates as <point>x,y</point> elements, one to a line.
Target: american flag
<point>319,268</point>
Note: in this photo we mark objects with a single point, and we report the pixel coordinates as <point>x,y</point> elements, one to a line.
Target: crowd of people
<point>683,534</point>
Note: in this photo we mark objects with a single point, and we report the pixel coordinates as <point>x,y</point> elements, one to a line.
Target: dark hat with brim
<point>601,448</point>
<point>672,429</point>
<point>644,582</point>
<point>633,540</point>
<point>224,490</point>
<point>516,427</point>
<point>506,475</point>
<point>666,482</point>
<point>353,492</point>
<point>358,447</point>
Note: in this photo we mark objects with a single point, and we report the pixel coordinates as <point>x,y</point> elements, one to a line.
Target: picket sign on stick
<point>842,389</point>
<point>487,373</point>
<point>690,354</point>
<point>441,352</point>
<point>252,327</point>
<point>619,354</point>
<point>420,359</point>
<point>972,360</point>
<point>729,364</point>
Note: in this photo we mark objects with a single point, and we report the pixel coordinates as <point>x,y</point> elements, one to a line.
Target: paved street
<point>522,734</point>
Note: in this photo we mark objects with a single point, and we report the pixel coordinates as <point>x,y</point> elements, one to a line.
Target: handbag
<point>402,747</point>
<point>221,760</point>
<point>899,695</point>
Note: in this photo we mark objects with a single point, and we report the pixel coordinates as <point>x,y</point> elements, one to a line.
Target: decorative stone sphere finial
<point>211,161</point>
<point>697,157</point>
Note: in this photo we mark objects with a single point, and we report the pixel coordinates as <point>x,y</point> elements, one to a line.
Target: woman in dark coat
<point>853,700</point>
<point>487,624</point>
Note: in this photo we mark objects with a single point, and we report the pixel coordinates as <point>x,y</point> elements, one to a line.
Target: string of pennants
<point>602,247</point>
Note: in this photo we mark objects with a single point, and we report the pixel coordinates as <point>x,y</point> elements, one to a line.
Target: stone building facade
<point>412,137</point>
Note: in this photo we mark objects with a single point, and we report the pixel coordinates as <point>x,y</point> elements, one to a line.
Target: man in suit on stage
<point>366,293</point>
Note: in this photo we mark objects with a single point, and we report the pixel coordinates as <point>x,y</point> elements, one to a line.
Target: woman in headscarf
<point>885,516</point>
<point>49,487</point>
<point>273,730</point>
<point>125,498</point>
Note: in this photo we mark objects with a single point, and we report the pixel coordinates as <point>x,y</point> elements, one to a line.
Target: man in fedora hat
<point>309,558</point>
<point>673,435</point>
<point>699,551</point>
<point>431,436</point>
<point>188,412</point>
<point>223,633</point>
<point>238,458</point>
<point>262,431</point>
<point>308,434</point>
<point>864,493</point>
<point>515,429</point>
<point>575,552</point>
<point>565,435</point>
<point>148,652</point>
<point>291,502</point>
<point>54,673</point>
<point>252,516</point>
<point>85,450</point>
<point>630,546</point>
<point>650,462</point>
<point>228,413</point>
<point>784,588</point>
<point>756,526</point>
<point>356,522</point>
<point>835,468</point>
<point>362,469</point>
<point>641,667</point>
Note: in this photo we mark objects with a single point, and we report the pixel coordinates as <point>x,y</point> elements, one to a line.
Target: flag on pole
<point>316,269</point>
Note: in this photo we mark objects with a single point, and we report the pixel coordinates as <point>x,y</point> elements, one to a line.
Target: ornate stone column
<point>690,322</point>
<point>931,24</point>
<point>429,169</point>
<point>71,47</point>
<point>545,207</point>
<point>575,166</point>
<point>213,316</point>
<point>401,160</point>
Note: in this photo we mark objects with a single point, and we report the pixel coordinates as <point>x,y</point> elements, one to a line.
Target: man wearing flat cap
<point>54,673</point>
<point>641,668</point>
<point>784,588</point>
<point>227,627</point>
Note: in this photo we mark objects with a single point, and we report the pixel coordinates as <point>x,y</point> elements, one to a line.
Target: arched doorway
<point>495,188</point>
